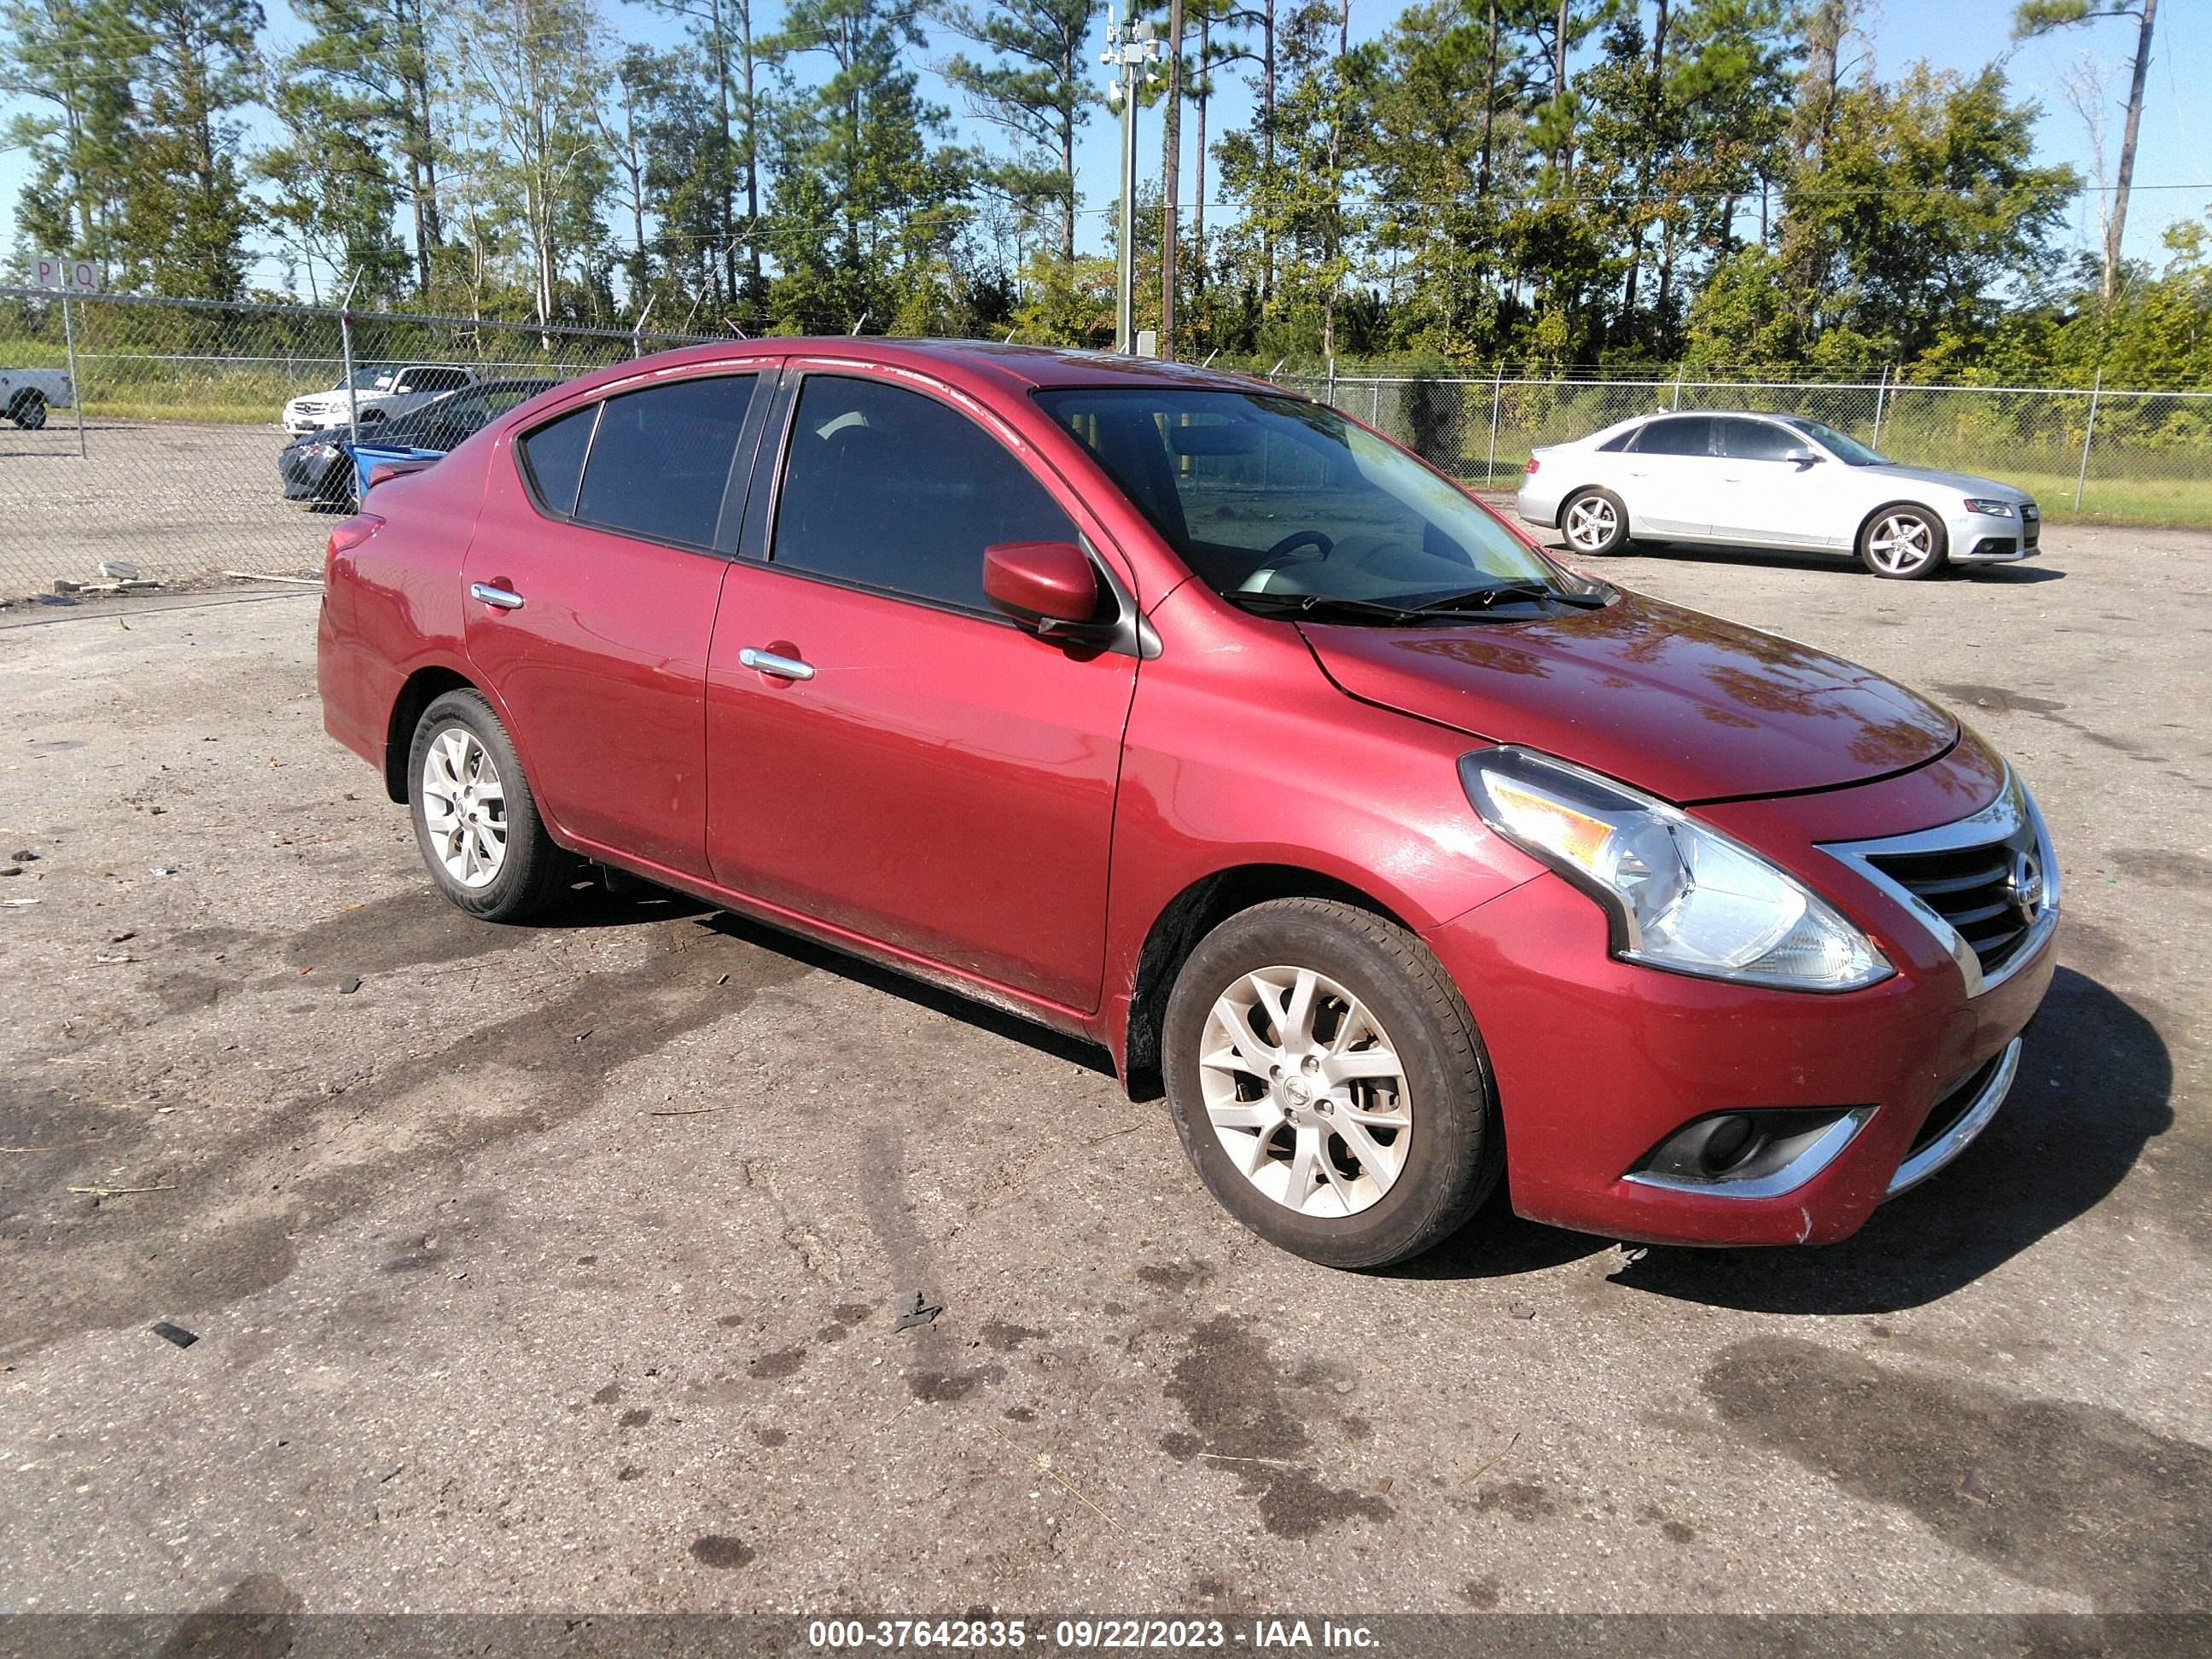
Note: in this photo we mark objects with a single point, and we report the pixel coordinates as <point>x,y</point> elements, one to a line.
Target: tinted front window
<point>1759,441</point>
<point>1687,435</point>
<point>1261,494</point>
<point>660,462</point>
<point>553,456</point>
<point>891,490</point>
<point>1849,451</point>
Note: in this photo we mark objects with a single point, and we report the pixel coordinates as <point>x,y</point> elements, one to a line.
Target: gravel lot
<point>173,498</point>
<point>556,1268</point>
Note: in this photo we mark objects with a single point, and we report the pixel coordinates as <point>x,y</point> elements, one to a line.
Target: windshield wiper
<point>1482,599</point>
<point>1322,607</point>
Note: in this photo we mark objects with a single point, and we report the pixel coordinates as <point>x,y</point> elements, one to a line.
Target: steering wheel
<point>1280,555</point>
<point>1323,545</point>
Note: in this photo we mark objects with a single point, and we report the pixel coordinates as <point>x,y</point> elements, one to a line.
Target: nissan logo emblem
<point>2025,884</point>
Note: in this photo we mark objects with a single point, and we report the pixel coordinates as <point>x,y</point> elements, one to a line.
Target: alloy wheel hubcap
<point>464,807</point>
<point>1306,1091</point>
<point>1590,523</point>
<point>1901,542</point>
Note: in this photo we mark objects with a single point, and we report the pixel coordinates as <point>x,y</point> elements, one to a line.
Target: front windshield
<point>1268,495</point>
<point>367,379</point>
<point>1849,451</point>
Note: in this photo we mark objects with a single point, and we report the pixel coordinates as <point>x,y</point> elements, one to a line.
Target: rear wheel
<point>1903,544</point>
<point>28,411</point>
<point>1329,1084</point>
<point>475,819</point>
<point>1596,522</point>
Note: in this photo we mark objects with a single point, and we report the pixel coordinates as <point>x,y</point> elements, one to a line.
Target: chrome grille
<point>2030,523</point>
<point>1975,889</point>
<point>1986,885</point>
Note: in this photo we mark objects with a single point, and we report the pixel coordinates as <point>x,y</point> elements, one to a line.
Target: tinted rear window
<point>1689,434</point>
<point>553,456</point>
<point>660,462</point>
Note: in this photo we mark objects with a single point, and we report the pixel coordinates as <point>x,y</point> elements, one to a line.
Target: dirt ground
<point>556,1267</point>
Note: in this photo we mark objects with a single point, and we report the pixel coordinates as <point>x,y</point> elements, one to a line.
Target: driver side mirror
<point>1803,457</point>
<point>1050,587</point>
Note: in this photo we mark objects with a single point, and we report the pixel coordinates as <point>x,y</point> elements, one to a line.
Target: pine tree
<point>1034,89</point>
<point>184,210</point>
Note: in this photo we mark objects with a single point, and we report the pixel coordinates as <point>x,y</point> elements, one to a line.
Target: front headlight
<point>1681,896</point>
<point>1990,509</point>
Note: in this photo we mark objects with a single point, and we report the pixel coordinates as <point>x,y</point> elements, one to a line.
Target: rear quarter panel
<point>392,604</point>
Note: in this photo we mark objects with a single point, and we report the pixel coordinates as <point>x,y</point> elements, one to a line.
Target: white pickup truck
<point>26,395</point>
<point>381,393</point>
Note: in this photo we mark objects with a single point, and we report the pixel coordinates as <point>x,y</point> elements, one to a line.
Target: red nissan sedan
<point>1174,710</point>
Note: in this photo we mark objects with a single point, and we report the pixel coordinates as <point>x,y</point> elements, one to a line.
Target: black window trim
<point>735,487</point>
<point>1131,637</point>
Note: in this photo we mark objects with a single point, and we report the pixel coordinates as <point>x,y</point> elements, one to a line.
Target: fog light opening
<point>1750,1154</point>
<point>1730,1142</point>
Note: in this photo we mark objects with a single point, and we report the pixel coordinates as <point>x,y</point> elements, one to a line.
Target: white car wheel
<point>1903,544</point>
<point>1596,522</point>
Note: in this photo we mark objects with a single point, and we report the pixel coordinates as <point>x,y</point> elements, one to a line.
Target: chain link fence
<point>2119,456</point>
<point>157,452</point>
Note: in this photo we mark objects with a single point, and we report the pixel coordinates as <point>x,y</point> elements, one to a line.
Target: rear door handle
<point>505,598</point>
<point>784,668</point>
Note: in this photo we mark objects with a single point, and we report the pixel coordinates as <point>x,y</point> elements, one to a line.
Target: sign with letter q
<point>71,275</point>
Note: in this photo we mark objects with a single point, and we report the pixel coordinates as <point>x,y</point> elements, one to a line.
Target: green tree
<point>721,34</point>
<point>1926,202</point>
<point>530,72</point>
<point>1034,89</point>
<point>866,202</point>
<point>361,89</point>
<point>69,61</point>
<point>184,210</point>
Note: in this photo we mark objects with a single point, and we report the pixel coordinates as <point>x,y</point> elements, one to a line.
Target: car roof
<point>1718,414</point>
<point>1024,368</point>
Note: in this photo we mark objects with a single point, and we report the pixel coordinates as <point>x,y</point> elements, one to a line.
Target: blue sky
<point>2174,166</point>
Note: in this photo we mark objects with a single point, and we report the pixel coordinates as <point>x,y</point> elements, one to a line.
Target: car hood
<point>1685,706</point>
<point>1965,483</point>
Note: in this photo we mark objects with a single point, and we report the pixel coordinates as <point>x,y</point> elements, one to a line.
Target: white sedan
<point>1746,480</point>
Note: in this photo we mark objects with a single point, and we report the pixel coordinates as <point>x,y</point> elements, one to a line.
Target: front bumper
<point>1596,1062</point>
<point>1986,538</point>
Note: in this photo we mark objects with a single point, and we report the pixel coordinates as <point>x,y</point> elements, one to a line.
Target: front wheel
<point>475,819</point>
<point>1596,522</point>
<point>1903,544</point>
<point>1328,1083</point>
<point>29,411</point>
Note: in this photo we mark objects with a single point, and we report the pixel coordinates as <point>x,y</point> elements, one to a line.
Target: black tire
<point>533,871</point>
<point>1602,500</point>
<point>28,411</point>
<point>1456,1153</point>
<point>1880,527</point>
<point>337,487</point>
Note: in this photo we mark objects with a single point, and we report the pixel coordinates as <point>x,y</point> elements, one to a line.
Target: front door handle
<point>505,598</point>
<point>784,668</point>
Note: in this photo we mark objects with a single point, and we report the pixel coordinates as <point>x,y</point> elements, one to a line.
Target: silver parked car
<point>1745,480</point>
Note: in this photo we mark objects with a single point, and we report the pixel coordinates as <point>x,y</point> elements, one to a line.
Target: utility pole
<point>1170,217</point>
<point>1131,46</point>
